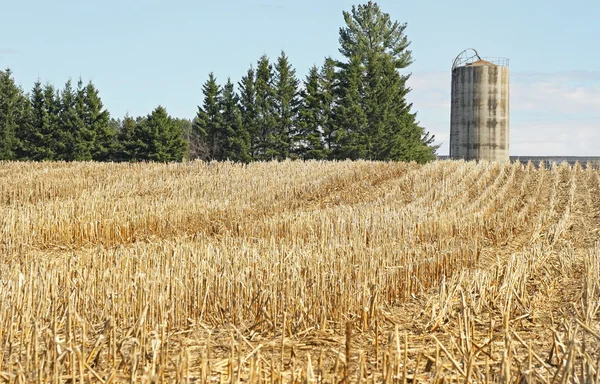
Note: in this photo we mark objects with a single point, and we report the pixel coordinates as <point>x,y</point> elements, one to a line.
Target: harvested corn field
<point>299,272</point>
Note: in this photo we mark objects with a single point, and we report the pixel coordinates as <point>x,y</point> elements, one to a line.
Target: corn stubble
<point>299,272</point>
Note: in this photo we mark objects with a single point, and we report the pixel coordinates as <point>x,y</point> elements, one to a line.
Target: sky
<point>145,53</point>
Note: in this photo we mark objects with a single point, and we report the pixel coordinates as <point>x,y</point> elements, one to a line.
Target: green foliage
<point>184,126</point>
<point>173,142</point>
<point>265,111</point>
<point>97,129</point>
<point>52,105</point>
<point>236,146</point>
<point>126,148</point>
<point>370,31</point>
<point>158,138</point>
<point>14,116</point>
<point>309,136</point>
<point>316,123</point>
<point>68,125</point>
<point>383,106</point>
<point>84,135</point>
<point>327,90</point>
<point>208,125</point>
<point>39,136</point>
<point>155,137</point>
<point>350,118</point>
<point>375,120</point>
<point>354,108</point>
<point>247,103</point>
<point>286,103</point>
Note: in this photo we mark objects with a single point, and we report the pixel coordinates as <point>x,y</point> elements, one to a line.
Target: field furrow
<point>299,272</point>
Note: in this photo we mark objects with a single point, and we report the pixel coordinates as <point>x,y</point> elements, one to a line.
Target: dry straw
<point>299,272</point>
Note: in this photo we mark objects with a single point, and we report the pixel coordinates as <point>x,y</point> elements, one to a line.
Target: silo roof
<point>482,62</point>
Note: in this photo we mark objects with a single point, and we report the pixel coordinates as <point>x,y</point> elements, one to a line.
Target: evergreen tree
<point>198,147</point>
<point>185,127</point>
<point>14,115</point>
<point>143,141</point>
<point>350,118</point>
<point>370,31</point>
<point>247,104</point>
<point>36,138</point>
<point>115,125</point>
<point>66,133</point>
<point>377,47</point>
<point>237,144</point>
<point>8,123</point>
<point>265,111</point>
<point>158,138</point>
<point>398,135</point>
<point>84,135</point>
<point>310,118</point>
<point>355,108</point>
<point>380,90</point>
<point>97,129</point>
<point>52,106</point>
<point>208,125</point>
<point>327,91</point>
<point>172,138</point>
<point>286,104</point>
<point>127,145</point>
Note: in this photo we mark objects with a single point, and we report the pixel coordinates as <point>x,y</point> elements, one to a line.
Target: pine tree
<point>237,144</point>
<point>400,137</point>
<point>172,138</point>
<point>370,31</point>
<point>208,124</point>
<point>247,104</point>
<point>37,137</point>
<point>286,104</point>
<point>52,103</point>
<point>185,127</point>
<point>157,138</point>
<point>84,135</point>
<point>144,141</point>
<point>265,111</point>
<point>127,145</point>
<point>351,132</point>
<point>115,125</point>
<point>198,147</point>
<point>96,127</point>
<point>378,47</point>
<point>380,91</point>
<point>327,90</point>
<point>69,123</point>
<point>310,137</point>
<point>14,115</point>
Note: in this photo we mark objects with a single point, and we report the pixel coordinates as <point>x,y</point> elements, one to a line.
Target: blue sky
<point>144,53</point>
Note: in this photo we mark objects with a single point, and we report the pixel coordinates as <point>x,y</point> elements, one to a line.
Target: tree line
<point>353,108</point>
<point>71,124</point>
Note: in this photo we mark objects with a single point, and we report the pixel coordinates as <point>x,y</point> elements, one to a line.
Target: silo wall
<point>480,113</point>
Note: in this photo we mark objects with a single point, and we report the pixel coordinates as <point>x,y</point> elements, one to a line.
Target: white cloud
<point>551,113</point>
<point>579,138</point>
<point>557,95</point>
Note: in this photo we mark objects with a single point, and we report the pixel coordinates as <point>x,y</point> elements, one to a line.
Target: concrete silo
<point>480,108</point>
